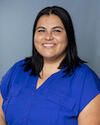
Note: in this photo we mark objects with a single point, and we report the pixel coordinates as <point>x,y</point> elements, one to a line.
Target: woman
<point>53,86</point>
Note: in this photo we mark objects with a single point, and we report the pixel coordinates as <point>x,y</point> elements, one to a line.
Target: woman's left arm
<point>90,115</point>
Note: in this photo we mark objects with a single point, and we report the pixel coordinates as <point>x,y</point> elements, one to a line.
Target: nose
<point>49,36</point>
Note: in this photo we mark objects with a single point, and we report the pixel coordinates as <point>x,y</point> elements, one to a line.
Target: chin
<point>49,57</point>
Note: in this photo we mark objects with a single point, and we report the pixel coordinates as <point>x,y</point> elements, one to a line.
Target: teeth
<point>48,45</point>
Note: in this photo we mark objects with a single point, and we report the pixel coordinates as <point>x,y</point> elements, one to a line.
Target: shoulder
<point>16,71</point>
<point>10,77</point>
<point>13,68</point>
<point>88,83</point>
<point>87,76</point>
<point>19,63</point>
<point>84,68</point>
<point>85,71</point>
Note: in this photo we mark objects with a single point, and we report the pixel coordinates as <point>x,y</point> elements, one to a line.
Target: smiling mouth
<point>48,45</point>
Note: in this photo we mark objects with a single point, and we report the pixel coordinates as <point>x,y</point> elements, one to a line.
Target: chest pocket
<point>67,104</point>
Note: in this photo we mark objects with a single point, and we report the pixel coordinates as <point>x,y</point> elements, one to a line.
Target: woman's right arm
<point>2,118</point>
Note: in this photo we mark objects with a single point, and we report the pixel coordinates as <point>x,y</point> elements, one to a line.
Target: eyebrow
<point>58,27</point>
<point>41,27</point>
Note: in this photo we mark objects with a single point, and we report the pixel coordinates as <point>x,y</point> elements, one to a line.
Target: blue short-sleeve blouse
<point>58,101</point>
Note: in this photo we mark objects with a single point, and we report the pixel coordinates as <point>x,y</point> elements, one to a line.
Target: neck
<point>51,66</point>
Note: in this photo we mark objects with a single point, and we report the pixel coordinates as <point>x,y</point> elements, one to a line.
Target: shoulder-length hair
<point>71,61</point>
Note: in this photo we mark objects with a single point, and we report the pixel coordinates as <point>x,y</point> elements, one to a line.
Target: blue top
<point>58,101</point>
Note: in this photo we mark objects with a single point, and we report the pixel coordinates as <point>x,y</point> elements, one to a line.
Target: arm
<point>90,115</point>
<point>2,119</point>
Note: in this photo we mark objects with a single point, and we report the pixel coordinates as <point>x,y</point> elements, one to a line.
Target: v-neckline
<point>45,84</point>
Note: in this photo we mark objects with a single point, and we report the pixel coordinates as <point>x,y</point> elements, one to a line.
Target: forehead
<point>49,20</point>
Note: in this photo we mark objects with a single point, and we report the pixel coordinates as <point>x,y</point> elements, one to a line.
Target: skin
<point>48,26</point>
<point>2,118</point>
<point>50,30</point>
<point>90,115</point>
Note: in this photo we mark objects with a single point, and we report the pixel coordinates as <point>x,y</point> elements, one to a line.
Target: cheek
<point>37,41</point>
<point>38,37</point>
<point>36,44</point>
<point>63,41</point>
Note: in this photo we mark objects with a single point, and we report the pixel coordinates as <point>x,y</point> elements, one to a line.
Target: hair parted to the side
<point>71,61</point>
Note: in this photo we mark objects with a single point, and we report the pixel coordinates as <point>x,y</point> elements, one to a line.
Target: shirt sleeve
<point>5,83</point>
<point>90,88</point>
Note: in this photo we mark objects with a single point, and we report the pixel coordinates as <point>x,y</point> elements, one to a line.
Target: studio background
<point>16,22</point>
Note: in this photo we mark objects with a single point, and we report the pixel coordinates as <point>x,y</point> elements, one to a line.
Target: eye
<point>41,30</point>
<point>57,30</point>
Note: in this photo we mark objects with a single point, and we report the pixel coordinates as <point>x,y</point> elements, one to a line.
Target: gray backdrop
<point>16,21</point>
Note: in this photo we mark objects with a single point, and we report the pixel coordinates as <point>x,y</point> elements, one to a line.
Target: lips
<point>48,45</point>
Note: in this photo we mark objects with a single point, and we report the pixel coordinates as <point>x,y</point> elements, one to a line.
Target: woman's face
<point>50,38</point>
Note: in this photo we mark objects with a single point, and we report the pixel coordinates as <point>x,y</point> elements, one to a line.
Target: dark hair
<point>71,61</point>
